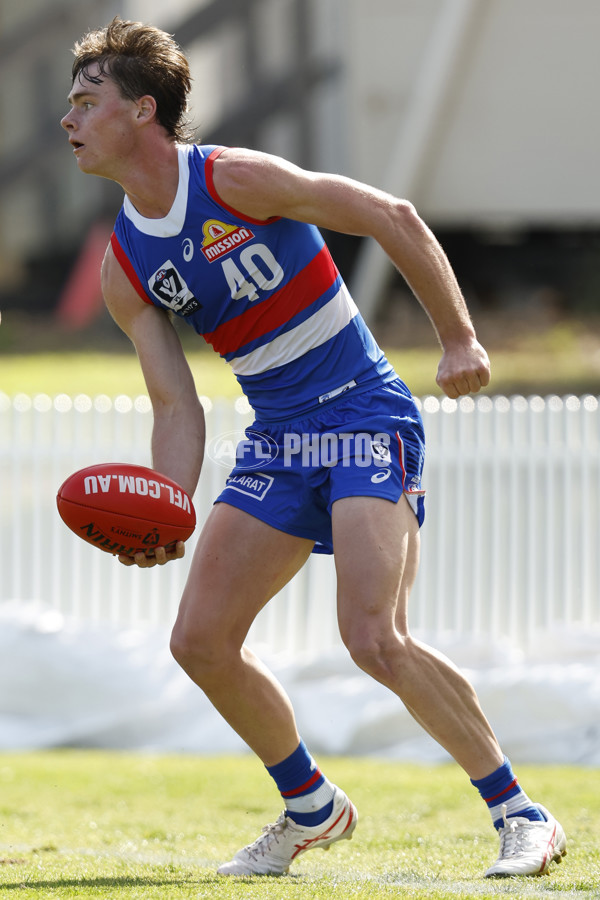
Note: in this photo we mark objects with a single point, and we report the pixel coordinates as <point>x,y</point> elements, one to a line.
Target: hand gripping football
<point>124,509</point>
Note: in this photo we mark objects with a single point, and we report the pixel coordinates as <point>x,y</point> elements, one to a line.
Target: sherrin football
<point>124,509</point>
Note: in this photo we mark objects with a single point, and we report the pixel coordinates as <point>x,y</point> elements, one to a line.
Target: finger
<point>126,560</point>
<point>468,384</point>
<point>484,377</point>
<point>145,560</point>
<point>179,550</point>
<point>462,384</point>
<point>138,559</point>
<point>449,386</point>
<point>164,556</point>
<point>478,380</point>
<point>157,557</point>
<point>160,556</point>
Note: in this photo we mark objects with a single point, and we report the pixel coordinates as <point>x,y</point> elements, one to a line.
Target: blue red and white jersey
<point>266,295</point>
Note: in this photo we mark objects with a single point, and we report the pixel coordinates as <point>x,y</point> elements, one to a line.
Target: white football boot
<point>283,841</point>
<point>528,848</point>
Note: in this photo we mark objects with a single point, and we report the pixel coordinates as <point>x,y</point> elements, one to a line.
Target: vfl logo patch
<point>220,238</point>
<point>380,452</point>
<point>169,286</point>
<point>255,485</point>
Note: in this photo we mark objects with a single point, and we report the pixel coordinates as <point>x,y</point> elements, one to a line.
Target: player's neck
<point>151,182</point>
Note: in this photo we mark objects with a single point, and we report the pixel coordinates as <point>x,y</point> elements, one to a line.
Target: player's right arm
<point>178,431</point>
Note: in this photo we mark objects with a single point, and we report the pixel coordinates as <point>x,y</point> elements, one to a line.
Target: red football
<point>123,508</point>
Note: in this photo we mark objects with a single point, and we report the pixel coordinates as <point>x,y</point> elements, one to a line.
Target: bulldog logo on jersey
<point>220,238</point>
<point>169,286</point>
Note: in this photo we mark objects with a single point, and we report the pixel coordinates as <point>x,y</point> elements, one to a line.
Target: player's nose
<point>67,121</point>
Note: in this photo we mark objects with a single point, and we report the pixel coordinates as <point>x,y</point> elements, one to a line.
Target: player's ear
<point>146,108</point>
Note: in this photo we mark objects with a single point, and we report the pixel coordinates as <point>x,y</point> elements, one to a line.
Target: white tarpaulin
<point>69,683</point>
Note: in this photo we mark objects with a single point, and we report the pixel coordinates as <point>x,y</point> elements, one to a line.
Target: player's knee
<point>194,648</point>
<point>376,652</point>
<point>181,646</point>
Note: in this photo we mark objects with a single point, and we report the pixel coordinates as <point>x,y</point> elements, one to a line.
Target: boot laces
<point>515,836</point>
<point>270,835</point>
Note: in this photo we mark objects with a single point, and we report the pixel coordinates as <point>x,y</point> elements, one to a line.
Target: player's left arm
<point>178,431</point>
<point>262,186</point>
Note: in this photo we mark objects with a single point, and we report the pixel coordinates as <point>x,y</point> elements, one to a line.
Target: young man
<point>228,239</point>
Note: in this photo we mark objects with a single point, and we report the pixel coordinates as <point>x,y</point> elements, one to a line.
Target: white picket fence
<point>509,546</point>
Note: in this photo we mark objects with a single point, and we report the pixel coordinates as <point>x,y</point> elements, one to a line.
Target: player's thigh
<point>376,547</point>
<point>239,563</point>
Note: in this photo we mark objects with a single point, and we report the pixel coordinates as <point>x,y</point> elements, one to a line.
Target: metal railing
<point>509,545</point>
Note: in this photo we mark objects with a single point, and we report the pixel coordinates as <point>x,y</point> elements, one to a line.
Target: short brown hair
<point>140,59</point>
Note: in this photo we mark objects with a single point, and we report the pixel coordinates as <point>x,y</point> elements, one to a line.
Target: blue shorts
<point>290,474</point>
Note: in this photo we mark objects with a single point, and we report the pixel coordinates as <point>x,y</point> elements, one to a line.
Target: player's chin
<point>87,169</point>
<point>86,164</point>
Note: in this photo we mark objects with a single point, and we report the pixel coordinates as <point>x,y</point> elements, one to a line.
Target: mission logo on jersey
<point>220,238</point>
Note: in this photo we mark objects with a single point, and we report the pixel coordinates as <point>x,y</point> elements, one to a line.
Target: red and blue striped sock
<point>307,794</point>
<point>501,788</point>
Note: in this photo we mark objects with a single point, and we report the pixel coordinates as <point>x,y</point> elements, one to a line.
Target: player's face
<point>100,125</point>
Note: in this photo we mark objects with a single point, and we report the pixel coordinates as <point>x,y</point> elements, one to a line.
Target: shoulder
<point>111,272</point>
<point>123,300</point>
<point>257,184</point>
<point>238,166</point>
<point>116,271</point>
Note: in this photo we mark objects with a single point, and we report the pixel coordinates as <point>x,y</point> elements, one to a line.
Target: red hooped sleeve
<point>127,267</point>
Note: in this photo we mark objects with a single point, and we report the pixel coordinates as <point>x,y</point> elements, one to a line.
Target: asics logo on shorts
<point>382,475</point>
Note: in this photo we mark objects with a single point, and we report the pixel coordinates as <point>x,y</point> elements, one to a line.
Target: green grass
<point>97,373</point>
<point>562,359</point>
<point>529,355</point>
<point>93,373</point>
<point>90,824</point>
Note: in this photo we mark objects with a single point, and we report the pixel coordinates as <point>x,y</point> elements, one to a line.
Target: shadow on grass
<point>133,881</point>
<point>124,881</point>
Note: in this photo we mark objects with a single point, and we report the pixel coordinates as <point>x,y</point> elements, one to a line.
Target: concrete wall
<point>513,136</point>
